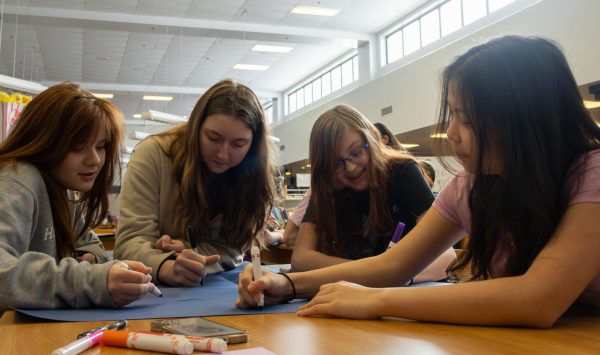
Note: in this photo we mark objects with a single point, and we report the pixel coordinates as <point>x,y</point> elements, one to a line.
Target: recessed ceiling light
<point>250,67</point>
<point>103,96</point>
<point>591,104</point>
<point>157,98</point>
<point>103,57</point>
<point>410,145</point>
<point>439,135</point>
<point>137,115</point>
<point>269,48</point>
<point>314,10</point>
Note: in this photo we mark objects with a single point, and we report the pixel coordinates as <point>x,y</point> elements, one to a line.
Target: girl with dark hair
<point>387,137</point>
<point>529,198</point>
<point>194,198</point>
<point>361,189</point>
<point>66,141</point>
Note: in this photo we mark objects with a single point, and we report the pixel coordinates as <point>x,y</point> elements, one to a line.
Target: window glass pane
<point>336,78</point>
<point>451,17</point>
<point>347,73</point>
<point>430,27</point>
<point>308,94</point>
<point>412,37</point>
<point>316,89</point>
<point>326,84</point>
<point>300,98</point>
<point>292,102</point>
<point>355,67</point>
<point>473,10</point>
<point>394,47</point>
<point>496,4</point>
<point>269,115</point>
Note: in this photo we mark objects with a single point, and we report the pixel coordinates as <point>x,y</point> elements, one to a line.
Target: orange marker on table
<point>150,342</point>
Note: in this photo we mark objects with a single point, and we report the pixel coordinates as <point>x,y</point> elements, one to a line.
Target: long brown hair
<point>55,121</point>
<point>325,136</point>
<point>248,188</point>
<point>519,94</point>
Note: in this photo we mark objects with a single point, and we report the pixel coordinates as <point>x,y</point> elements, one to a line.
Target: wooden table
<point>107,236</point>
<point>288,334</point>
<point>277,254</point>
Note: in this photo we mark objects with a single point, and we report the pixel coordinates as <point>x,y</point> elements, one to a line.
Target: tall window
<point>343,73</point>
<point>435,23</point>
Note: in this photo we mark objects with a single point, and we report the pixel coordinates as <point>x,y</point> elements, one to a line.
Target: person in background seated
<point>361,189</point>
<point>56,169</point>
<point>196,197</point>
<point>388,138</point>
<point>529,198</point>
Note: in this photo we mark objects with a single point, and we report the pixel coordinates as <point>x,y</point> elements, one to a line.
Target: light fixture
<point>241,66</point>
<point>103,96</point>
<point>274,139</point>
<point>124,160</point>
<point>272,49</point>
<point>288,173</point>
<point>439,135</point>
<point>591,104</point>
<point>314,10</point>
<point>22,85</point>
<point>157,98</point>
<point>137,115</point>
<point>137,135</point>
<point>127,150</point>
<point>163,117</point>
<point>308,165</point>
<point>409,145</point>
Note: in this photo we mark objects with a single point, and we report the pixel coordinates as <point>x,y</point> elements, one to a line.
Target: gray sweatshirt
<point>32,275</point>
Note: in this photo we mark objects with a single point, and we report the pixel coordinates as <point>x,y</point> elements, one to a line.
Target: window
<point>494,5</point>
<point>269,113</point>
<point>451,17</point>
<point>439,19</point>
<point>430,27</point>
<point>342,74</point>
<point>412,37</point>
<point>473,10</point>
<point>347,73</point>
<point>394,47</point>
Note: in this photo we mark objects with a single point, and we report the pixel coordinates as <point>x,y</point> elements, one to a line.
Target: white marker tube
<point>256,270</point>
<point>213,345</point>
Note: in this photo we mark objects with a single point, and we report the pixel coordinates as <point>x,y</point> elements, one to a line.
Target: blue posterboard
<point>216,298</point>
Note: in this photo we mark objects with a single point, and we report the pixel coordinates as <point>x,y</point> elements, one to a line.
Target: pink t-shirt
<point>453,203</point>
<point>298,214</point>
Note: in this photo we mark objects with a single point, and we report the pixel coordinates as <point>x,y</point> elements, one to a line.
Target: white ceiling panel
<point>180,47</point>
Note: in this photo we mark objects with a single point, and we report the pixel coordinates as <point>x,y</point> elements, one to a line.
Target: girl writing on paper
<point>529,197</point>
<point>361,189</point>
<point>56,168</point>
<point>208,183</point>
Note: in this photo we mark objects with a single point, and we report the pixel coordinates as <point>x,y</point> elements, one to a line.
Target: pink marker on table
<point>80,344</point>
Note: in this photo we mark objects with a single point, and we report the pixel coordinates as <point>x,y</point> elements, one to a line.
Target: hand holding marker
<point>155,290</point>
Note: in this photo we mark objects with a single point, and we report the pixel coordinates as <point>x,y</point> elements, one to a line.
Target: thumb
<point>138,266</point>
<point>211,259</point>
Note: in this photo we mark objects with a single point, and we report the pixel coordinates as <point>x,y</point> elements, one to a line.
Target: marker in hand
<point>155,290</point>
<point>397,235</point>
<point>256,271</point>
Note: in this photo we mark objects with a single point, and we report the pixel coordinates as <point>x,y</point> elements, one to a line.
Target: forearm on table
<point>304,260</point>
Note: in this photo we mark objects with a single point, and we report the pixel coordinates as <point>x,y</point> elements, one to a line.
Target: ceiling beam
<point>190,27</point>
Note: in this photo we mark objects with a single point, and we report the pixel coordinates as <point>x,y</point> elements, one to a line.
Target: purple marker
<point>397,234</point>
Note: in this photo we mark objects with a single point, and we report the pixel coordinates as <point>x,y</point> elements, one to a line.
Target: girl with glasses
<point>529,197</point>
<point>361,189</point>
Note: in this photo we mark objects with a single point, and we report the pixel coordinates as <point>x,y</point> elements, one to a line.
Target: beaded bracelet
<point>293,286</point>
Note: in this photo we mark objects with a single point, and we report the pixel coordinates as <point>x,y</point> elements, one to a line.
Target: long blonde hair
<point>55,121</point>
<point>325,136</point>
<point>249,191</point>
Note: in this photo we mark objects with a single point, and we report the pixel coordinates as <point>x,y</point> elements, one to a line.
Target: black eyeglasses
<point>355,157</point>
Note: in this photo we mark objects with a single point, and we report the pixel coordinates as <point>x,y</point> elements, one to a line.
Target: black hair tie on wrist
<point>293,286</point>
